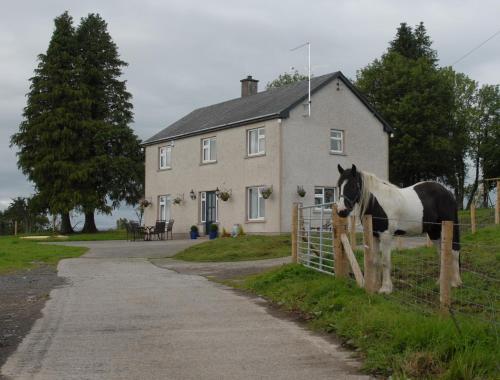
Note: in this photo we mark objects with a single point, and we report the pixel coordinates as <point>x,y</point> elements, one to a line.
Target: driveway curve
<point>121,317</point>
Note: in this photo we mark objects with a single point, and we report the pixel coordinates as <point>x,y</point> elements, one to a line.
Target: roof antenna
<point>308,44</point>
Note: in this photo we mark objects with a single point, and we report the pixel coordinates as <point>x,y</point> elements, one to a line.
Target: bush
<point>194,228</point>
<point>214,227</point>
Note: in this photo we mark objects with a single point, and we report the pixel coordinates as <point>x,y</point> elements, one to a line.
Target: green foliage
<point>194,228</point>
<point>75,143</point>
<point>414,96</point>
<point>394,339</point>
<point>49,137</point>
<point>27,214</point>
<point>16,254</point>
<point>286,79</point>
<point>241,248</point>
<point>214,227</point>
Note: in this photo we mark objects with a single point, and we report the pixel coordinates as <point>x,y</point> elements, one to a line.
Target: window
<point>256,141</point>
<point>165,157</point>
<point>256,204</point>
<point>208,150</point>
<point>324,195</point>
<point>164,207</point>
<point>336,141</point>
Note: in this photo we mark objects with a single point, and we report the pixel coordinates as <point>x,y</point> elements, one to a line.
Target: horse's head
<point>349,186</point>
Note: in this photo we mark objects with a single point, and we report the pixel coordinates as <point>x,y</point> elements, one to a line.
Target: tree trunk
<point>474,186</point>
<point>89,226</point>
<point>66,224</point>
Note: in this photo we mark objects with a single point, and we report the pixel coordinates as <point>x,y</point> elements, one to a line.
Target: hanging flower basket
<point>225,195</point>
<point>301,192</point>
<point>266,192</point>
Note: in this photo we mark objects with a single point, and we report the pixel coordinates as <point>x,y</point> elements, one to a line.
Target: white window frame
<point>337,139</point>
<point>321,196</point>
<point>164,202</point>
<point>165,157</point>
<point>209,145</point>
<point>261,141</point>
<point>260,216</point>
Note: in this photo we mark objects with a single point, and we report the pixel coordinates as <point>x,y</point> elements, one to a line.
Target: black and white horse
<point>397,211</point>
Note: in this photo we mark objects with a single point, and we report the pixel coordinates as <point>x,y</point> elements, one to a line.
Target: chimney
<point>248,86</point>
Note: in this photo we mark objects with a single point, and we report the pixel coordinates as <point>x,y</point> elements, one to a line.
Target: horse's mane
<point>370,184</point>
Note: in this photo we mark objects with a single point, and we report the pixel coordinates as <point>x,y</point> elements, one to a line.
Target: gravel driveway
<point>121,317</point>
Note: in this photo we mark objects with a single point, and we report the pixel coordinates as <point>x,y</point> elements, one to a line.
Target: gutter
<point>219,127</point>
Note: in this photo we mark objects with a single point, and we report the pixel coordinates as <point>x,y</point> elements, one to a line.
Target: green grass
<point>392,338</point>
<point>484,216</point>
<point>17,254</point>
<point>403,334</point>
<point>247,247</point>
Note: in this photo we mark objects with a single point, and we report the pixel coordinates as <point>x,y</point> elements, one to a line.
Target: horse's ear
<point>354,171</point>
<point>341,169</point>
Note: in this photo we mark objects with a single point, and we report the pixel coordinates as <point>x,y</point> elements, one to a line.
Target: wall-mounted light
<point>217,191</point>
<point>192,194</point>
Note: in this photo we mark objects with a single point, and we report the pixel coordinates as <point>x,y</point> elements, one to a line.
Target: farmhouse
<point>261,150</point>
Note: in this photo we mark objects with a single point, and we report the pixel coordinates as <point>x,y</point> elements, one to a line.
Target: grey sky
<point>184,54</point>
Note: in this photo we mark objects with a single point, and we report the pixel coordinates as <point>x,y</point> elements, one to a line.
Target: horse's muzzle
<point>344,213</point>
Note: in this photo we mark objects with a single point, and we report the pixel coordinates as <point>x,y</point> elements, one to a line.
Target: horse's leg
<point>385,247</point>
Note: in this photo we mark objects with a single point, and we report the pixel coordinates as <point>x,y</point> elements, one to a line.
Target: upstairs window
<point>165,157</point>
<point>324,195</point>
<point>208,150</point>
<point>256,141</point>
<point>336,141</point>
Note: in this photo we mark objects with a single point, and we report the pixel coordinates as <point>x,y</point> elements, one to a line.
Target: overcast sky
<point>184,54</point>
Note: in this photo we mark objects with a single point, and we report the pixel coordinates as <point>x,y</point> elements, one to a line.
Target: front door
<point>210,210</point>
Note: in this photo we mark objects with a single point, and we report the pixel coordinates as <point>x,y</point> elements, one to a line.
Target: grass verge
<point>247,247</point>
<point>392,339</point>
<point>16,254</point>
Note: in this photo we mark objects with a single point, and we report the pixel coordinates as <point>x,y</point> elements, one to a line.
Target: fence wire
<point>416,264</point>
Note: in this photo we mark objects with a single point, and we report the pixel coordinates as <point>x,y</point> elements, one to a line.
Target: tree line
<point>75,143</point>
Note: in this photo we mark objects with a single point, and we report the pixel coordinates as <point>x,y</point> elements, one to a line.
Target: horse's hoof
<point>385,290</point>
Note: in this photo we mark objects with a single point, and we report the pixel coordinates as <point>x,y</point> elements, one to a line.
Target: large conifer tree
<point>112,163</point>
<point>49,136</point>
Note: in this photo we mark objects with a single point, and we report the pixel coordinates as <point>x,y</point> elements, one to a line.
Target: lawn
<point>403,335</point>
<point>246,247</point>
<point>16,254</point>
<point>484,216</point>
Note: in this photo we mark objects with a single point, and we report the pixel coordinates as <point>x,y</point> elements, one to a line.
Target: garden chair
<point>135,230</point>
<point>159,230</point>
<point>170,226</point>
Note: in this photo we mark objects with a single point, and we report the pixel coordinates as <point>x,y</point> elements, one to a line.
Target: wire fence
<point>416,267</point>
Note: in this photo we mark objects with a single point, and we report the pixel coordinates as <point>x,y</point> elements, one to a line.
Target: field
<point>17,254</point>
<point>246,247</point>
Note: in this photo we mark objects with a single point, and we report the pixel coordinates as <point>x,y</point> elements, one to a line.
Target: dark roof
<point>265,105</point>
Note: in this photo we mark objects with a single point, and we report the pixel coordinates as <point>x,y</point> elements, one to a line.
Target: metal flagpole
<point>308,44</point>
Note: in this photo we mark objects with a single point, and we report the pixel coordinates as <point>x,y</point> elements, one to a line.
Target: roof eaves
<point>270,116</point>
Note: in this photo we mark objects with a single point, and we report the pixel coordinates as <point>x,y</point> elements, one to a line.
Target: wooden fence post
<point>15,227</point>
<point>352,236</point>
<point>341,263</point>
<point>295,231</point>
<point>370,259</point>
<point>446,266</point>
<point>473,217</point>
<point>497,206</point>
